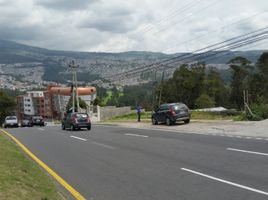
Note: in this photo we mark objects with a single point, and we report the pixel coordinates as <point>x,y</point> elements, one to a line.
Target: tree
<point>82,104</point>
<point>239,66</point>
<point>186,85</point>
<point>7,105</point>
<point>204,101</point>
<point>259,81</point>
<point>215,88</point>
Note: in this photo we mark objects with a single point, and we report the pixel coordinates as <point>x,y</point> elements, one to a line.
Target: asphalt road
<point>116,163</point>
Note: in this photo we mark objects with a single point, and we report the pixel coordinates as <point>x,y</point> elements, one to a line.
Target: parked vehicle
<point>26,122</point>
<point>11,121</point>
<point>76,121</point>
<point>38,120</point>
<point>170,113</point>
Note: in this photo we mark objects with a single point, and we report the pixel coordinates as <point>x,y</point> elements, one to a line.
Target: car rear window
<point>37,117</point>
<point>11,118</point>
<point>81,115</point>
<point>179,106</point>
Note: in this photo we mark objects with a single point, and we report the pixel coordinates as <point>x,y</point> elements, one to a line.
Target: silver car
<point>11,121</point>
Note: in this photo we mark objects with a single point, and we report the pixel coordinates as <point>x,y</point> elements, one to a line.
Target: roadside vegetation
<point>20,178</point>
<point>200,86</point>
<point>7,106</point>
<point>195,115</point>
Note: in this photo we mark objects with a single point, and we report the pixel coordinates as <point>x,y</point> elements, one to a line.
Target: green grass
<point>145,116</point>
<point>21,178</point>
<point>195,115</point>
<point>199,115</point>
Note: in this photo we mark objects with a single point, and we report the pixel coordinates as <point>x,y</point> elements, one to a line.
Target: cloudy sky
<point>126,25</point>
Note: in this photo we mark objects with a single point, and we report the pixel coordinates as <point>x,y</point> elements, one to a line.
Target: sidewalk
<point>245,128</point>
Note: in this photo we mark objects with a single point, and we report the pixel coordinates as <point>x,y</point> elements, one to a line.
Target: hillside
<point>51,65</point>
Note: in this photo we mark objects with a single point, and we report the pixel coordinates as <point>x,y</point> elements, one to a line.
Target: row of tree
<point>7,106</point>
<point>200,87</point>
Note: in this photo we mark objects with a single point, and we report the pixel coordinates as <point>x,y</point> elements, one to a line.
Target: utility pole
<point>74,67</point>
<point>161,87</point>
<point>153,90</point>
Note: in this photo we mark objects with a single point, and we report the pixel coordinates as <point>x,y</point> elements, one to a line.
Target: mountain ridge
<point>52,64</point>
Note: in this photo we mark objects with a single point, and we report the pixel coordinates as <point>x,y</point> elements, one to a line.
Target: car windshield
<point>11,118</point>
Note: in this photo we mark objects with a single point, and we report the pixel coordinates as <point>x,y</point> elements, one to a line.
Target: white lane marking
<point>225,181</point>
<point>258,138</point>
<point>78,138</point>
<point>103,145</point>
<point>41,129</point>
<point>238,136</point>
<point>173,131</point>
<point>136,135</point>
<point>245,151</point>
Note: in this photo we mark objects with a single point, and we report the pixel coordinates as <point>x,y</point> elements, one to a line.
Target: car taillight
<point>88,120</point>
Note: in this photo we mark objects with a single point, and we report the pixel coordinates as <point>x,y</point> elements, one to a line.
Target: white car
<point>11,121</point>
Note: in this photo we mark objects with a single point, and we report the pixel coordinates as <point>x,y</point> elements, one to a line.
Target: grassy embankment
<point>196,115</point>
<point>21,178</point>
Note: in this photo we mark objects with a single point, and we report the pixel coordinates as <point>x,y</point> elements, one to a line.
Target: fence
<point>98,113</point>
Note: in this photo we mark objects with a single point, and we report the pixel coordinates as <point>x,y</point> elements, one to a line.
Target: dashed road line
<point>103,145</point>
<point>41,129</point>
<point>234,136</point>
<point>246,151</point>
<point>193,132</point>
<point>136,135</point>
<point>78,138</point>
<point>226,182</point>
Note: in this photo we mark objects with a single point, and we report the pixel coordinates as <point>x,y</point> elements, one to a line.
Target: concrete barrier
<point>112,111</point>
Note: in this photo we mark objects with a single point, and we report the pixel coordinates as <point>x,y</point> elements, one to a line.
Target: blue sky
<point>144,25</point>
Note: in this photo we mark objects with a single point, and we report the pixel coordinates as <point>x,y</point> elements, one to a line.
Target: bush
<point>260,111</point>
<point>204,101</point>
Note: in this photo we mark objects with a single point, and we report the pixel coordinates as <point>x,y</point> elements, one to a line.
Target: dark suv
<point>170,113</point>
<point>76,121</point>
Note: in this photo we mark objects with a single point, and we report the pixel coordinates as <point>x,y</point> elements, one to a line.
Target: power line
<point>180,11</point>
<point>222,27</point>
<point>229,44</point>
<point>184,19</point>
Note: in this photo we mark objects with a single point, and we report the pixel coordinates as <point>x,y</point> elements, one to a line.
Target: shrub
<point>204,101</point>
<point>260,110</point>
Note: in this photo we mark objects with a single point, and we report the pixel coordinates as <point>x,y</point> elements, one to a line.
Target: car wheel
<point>187,121</point>
<point>63,127</point>
<point>5,126</point>
<point>168,122</point>
<point>72,128</point>
<point>154,121</point>
<point>89,128</point>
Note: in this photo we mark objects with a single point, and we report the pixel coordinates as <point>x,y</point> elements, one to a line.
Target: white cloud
<point>118,25</point>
